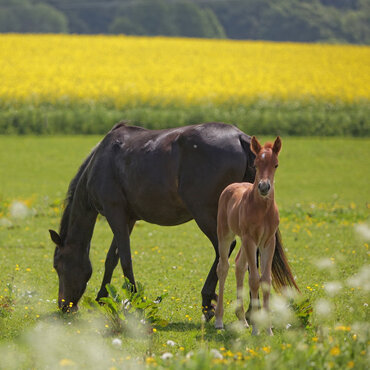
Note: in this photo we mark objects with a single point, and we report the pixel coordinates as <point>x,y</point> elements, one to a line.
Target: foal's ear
<point>255,145</point>
<point>55,238</point>
<point>277,145</point>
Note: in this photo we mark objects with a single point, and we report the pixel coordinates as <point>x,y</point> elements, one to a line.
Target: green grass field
<point>322,189</point>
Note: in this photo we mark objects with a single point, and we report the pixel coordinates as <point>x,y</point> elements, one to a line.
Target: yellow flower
<point>351,364</point>
<point>66,362</point>
<point>150,360</point>
<point>266,349</point>
<point>343,328</point>
<point>335,351</point>
<point>211,71</point>
<point>315,339</point>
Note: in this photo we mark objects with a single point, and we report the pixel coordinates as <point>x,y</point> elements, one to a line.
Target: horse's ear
<point>55,238</point>
<point>277,145</point>
<point>255,145</point>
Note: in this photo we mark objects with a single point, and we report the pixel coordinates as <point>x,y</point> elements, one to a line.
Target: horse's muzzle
<point>264,187</point>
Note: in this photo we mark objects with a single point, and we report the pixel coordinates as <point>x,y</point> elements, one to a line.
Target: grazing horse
<point>249,211</point>
<point>165,177</point>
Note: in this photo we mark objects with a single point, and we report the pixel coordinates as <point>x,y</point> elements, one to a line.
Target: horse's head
<point>266,163</point>
<point>74,271</point>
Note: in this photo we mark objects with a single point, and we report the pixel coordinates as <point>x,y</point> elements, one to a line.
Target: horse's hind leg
<point>240,269</point>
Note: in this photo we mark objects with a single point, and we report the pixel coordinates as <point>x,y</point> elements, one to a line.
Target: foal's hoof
<point>208,312</point>
<point>219,325</point>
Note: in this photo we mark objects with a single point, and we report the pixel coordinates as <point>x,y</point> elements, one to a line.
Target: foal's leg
<point>240,269</point>
<point>267,254</point>
<point>222,270</point>
<point>250,249</point>
<point>248,313</point>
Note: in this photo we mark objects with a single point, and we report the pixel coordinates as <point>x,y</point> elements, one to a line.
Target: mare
<point>166,177</point>
<point>249,211</point>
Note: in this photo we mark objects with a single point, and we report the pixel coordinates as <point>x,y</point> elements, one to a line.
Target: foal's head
<point>266,163</point>
<point>74,271</point>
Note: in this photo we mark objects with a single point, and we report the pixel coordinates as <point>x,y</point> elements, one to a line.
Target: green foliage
<point>302,309</point>
<point>319,206</point>
<point>126,304</point>
<point>297,118</point>
<point>284,20</point>
<point>23,16</point>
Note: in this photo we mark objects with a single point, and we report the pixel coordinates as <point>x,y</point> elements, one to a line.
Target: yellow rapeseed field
<point>136,70</point>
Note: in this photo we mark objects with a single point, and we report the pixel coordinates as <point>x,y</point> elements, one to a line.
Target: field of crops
<point>322,193</point>
<point>84,84</point>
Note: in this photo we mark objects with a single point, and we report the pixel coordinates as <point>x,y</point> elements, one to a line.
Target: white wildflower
<point>117,342</point>
<point>166,356</point>
<point>18,210</point>
<point>216,354</point>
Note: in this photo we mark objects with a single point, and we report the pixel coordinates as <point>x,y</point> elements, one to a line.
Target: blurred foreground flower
<point>363,230</point>
<point>361,279</point>
<point>323,307</point>
<point>18,210</point>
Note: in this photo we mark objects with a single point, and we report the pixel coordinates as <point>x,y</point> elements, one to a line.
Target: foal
<point>249,211</point>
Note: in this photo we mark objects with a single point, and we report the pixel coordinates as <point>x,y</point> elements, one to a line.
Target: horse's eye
<point>276,165</point>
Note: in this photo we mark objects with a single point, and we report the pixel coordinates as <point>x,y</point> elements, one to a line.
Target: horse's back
<point>168,175</point>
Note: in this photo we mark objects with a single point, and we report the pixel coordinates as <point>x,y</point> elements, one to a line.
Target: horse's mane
<point>70,194</point>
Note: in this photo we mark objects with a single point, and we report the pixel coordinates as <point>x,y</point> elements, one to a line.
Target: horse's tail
<point>281,273</point>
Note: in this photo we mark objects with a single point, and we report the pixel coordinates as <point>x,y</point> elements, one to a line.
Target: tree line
<point>278,20</point>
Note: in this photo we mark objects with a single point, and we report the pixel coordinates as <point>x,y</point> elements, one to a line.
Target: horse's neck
<point>81,224</point>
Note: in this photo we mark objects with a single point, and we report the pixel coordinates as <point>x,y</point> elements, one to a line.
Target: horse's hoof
<point>255,331</point>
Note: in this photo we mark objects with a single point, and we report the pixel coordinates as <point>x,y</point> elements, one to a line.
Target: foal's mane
<point>70,195</point>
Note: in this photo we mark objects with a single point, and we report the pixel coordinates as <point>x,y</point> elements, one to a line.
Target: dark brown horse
<point>166,177</point>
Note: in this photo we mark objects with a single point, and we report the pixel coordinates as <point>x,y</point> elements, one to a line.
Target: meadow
<point>322,193</point>
<point>84,84</point>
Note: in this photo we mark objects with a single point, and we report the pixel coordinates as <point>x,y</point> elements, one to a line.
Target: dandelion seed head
<point>166,356</point>
<point>18,210</point>
<point>333,288</point>
<point>216,354</point>
<point>323,307</point>
<point>117,342</point>
<point>363,231</point>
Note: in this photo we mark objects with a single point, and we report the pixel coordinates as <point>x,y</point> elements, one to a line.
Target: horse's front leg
<point>250,249</point>
<point>120,225</point>
<point>240,269</point>
<point>111,262</point>
<point>267,254</point>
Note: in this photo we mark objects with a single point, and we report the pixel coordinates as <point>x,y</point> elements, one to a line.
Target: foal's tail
<point>281,273</point>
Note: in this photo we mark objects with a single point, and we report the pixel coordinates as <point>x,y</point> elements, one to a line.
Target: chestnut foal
<point>249,211</point>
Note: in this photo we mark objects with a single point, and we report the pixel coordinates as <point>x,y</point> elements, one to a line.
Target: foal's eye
<point>276,165</point>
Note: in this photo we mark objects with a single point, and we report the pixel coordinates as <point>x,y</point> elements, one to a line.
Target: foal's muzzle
<point>264,187</point>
